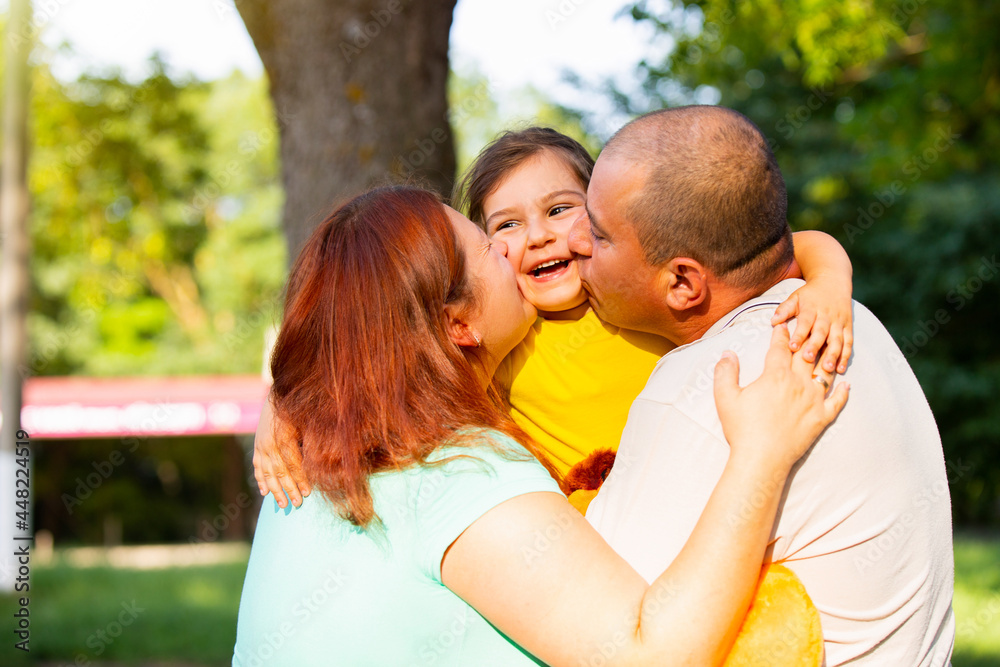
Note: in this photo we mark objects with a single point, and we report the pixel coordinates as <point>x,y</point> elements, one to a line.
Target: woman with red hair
<point>438,535</point>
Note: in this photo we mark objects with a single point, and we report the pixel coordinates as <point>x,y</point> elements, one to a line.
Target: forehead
<point>546,171</point>
<point>614,182</point>
<point>465,229</point>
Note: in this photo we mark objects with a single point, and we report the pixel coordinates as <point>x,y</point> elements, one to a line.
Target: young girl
<point>572,380</point>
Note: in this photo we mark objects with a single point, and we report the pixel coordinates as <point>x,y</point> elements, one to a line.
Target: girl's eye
<point>556,210</point>
<point>505,225</point>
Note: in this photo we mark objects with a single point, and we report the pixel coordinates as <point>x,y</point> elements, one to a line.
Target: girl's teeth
<point>538,270</point>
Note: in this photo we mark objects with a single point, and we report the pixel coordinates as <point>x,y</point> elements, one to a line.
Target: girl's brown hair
<point>363,367</point>
<point>504,154</point>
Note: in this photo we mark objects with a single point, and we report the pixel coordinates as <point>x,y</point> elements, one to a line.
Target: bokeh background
<point>170,171</point>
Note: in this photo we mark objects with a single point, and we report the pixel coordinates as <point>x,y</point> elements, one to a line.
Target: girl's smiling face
<point>532,212</point>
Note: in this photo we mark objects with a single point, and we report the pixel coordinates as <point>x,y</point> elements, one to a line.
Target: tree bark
<point>14,249</point>
<point>359,89</point>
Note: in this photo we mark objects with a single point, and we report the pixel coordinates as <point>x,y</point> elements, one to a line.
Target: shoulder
<point>684,378</point>
<point>482,454</point>
<point>692,366</point>
<point>462,482</point>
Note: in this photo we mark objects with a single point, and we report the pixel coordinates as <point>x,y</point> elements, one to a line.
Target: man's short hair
<point>713,192</point>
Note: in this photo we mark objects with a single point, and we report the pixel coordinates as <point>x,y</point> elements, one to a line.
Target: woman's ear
<point>684,281</point>
<point>459,330</point>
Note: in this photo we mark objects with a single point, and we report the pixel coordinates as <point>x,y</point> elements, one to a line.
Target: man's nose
<point>579,236</point>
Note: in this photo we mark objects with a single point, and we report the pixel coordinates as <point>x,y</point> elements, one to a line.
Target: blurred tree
<point>142,194</point>
<point>360,94</point>
<point>885,118</point>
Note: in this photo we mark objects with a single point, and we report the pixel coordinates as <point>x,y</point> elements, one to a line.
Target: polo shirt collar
<point>772,297</point>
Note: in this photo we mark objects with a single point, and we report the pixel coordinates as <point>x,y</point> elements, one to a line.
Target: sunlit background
<point>158,256</point>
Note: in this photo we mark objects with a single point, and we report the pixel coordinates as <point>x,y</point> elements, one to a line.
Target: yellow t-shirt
<point>572,382</point>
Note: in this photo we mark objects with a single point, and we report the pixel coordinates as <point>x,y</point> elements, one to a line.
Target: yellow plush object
<point>782,625</point>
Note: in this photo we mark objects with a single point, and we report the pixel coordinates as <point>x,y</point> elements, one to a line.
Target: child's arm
<point>277,459</point>
<point>823,305</point>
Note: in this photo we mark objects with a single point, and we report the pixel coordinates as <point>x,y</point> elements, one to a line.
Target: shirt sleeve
<point>451,496</point>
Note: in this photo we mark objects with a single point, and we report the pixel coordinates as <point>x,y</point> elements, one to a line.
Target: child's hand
<point>824,312</point>
<point>277,459</point>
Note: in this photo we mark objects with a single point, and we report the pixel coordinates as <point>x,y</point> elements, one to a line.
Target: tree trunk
<point>14,249</point>
<point>359,89</point>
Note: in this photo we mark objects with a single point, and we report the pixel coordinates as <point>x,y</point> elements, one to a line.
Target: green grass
<point>189,614</point>
<point>977,601</point>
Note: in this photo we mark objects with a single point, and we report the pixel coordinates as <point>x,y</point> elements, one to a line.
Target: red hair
<point>363,367</point>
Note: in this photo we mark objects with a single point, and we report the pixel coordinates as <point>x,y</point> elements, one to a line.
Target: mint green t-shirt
<point>321,591</point>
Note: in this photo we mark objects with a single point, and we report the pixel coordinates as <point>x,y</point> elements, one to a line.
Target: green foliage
<point>155,224</point>
<point>474,115</point>
<point>887,142</point>
<point>821,38</point>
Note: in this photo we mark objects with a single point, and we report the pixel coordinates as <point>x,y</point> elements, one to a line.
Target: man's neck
<point>689,326</point>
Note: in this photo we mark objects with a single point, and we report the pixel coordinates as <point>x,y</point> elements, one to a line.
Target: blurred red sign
<point>80,407</point>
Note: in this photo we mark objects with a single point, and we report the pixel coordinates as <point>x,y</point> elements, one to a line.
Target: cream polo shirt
<point>866,517</point>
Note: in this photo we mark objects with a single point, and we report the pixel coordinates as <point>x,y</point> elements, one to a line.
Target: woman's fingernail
<point>794,346</point>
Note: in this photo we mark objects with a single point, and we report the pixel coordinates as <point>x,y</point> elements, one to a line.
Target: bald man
<point>688,239</point>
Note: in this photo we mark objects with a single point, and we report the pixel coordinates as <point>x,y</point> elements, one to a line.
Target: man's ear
<point>459,330</point>
<point>684,281</point>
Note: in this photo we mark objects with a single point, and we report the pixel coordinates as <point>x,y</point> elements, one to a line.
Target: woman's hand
<point>778,416</point>
<point>277,459</point>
